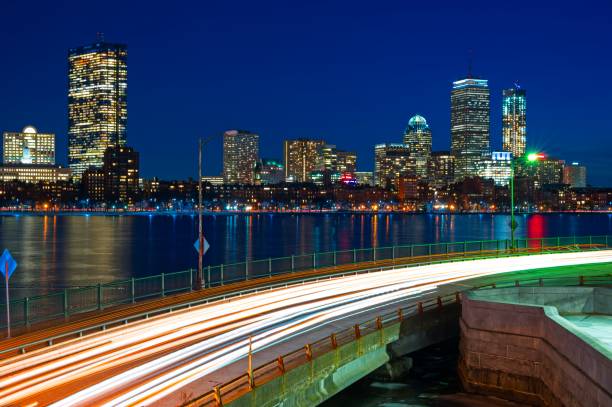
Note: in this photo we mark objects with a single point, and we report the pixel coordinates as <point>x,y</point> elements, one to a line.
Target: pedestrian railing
<point>76,300</point>
<point>360,335</point>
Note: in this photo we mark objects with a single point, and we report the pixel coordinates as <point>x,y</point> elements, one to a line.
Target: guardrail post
<point>99,296</point>
<point>66,309</point>
<point>420,307</point>
<point>464,248</point>
<point>558,241</point>
<point>335,259</point>
<point>446,248</point>
<point>541,282</point>
<point>590,240</point>
<point>357,331</point>
<point>270,266</point>
<point>308,352</point>
<point>581,280</point>
<point>481,246</point>
<point>163,285</point>
<point>208,278</point>
<point>517,283</point>
<point>379,323</point>
<point>314,260</point>
<point>133,289</point>
<point>411,250</point>
<point>429,250</point>
<point>458,297</point>
<point>217,392</point>
<point>400,315</point>
<point>374,253</point>
<point>292,263</point>
<point>334,342</point>
<point>606,241</point>
<point>222,282</point>
<point>281,364</point>
<point>354,255</point>
<point>439,302</point>
<point>246,269</point>
<point>393,253</point>
<point>26,311</point>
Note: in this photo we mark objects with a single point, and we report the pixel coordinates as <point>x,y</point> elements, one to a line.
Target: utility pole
<point>200,230</point>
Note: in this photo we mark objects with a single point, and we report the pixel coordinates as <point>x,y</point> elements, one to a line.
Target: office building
<point>301,158</point>
<point>390,162</point>
<point>469,125</point>
<point>269,172</point>
<point>545,171</point>
<point>97,103</point>
<point>28,147</point>
<point>93,186</point>
<point>346,161</point>
<point>441,169</point>
<point>514,121</point>
<point>418,139</point>
<point>575,175</point>
<point>33,173</point>
<point>364,178</point>
<point>498,168</point>
<point>240,155</point>
<point>121,175</point>
<point>213,179</point>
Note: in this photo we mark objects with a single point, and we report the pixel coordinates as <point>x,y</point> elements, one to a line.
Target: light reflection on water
<point>58,250</point>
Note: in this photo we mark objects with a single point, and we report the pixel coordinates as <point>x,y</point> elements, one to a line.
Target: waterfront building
<point>470,136</point>
<point>33,173</point>
<point>346,161</point>
<point>97,103</point>
<point>441,169</point>
<point>546,171</point>
<point>269,172</point>
<point>390,162</point>
<point>575,175</point>
<point>28,147</point>
<point>240,155</point>
<point>418,139</point>
<point>498,168</point>
<point>301,158</point>
<point>364,178</point>
<point>213,179</point>
<point>93,185</point>
<point>514,121</point>
<point>121,174</point>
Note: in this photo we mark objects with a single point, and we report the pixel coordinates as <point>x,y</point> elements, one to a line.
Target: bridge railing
<point>359,334</point>
<point>77,300</point>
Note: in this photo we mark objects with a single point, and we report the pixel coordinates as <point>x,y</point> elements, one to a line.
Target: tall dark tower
<point>97,103</point>
<point>470,137</point>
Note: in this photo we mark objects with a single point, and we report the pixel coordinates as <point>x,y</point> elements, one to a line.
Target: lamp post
<point>531,159</point>
<point>199,277</point>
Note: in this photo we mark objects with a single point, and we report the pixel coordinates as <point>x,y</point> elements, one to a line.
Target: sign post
<point>8,266</point>
<point>201,247</point>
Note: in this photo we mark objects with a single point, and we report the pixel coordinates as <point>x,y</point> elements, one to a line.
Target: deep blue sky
<point>350,72</point>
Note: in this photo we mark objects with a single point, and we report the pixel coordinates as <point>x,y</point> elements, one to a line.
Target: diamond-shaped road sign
<point>7,264</point>
<point>197,246</point>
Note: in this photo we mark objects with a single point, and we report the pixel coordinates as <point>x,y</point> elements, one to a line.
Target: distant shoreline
<point>6,212</point>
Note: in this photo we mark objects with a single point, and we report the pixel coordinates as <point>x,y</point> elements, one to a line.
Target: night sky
<point>350,72</point>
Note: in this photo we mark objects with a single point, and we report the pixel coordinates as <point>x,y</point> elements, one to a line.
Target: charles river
<point>55,251</point>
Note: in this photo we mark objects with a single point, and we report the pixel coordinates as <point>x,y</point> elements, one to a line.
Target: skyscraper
<point>97,103</point>
<point>28,147</point>
<point>514,121</point>
<point>418,139</point>
<point>240,156</point>
<point>441,169</point>
<point>469,125</point>
<point>301,158</point>
<point>391,161</point>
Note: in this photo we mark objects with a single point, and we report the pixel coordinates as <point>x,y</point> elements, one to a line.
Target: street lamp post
<point>531,158</point>
<point>199,277</point>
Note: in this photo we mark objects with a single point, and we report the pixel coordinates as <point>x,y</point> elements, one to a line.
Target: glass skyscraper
<point>418,139</point>
<point>470,138</point>
<point>240,156</point>
<point>97,103</point>
<point>514,121</point>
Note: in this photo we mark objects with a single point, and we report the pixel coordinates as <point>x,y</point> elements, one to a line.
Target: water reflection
<point>54,251</point>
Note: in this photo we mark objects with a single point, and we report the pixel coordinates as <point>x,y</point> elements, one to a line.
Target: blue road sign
<point>197,246</point>
<point>7,263</point>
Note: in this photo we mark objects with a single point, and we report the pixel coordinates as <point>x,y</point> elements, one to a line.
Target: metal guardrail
<point>78,300</point>
<point>227,392</point>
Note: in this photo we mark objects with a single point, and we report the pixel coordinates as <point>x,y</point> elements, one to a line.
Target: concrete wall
<point>530,354</point>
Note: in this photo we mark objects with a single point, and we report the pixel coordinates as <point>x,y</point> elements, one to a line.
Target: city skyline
<point>346,127</point>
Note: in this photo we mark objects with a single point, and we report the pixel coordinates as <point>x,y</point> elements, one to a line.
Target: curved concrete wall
<point>530,354</point>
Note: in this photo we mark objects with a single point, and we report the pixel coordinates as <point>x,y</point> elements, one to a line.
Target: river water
<point>63,250</point>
